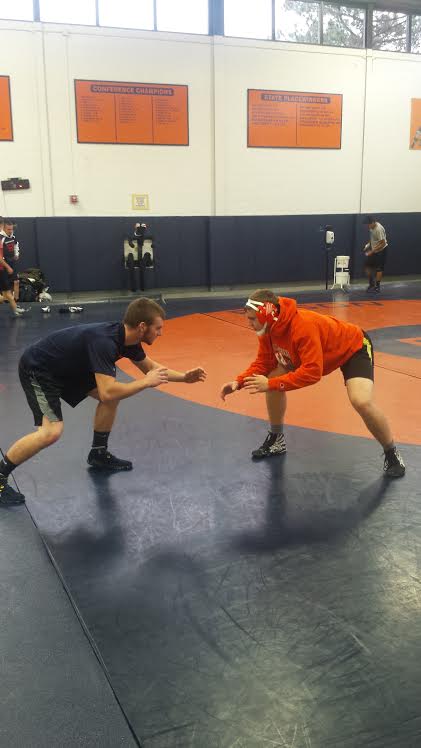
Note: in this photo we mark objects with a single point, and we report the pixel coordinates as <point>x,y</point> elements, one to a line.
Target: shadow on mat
<point>100,539</point>
<point>335,508</point>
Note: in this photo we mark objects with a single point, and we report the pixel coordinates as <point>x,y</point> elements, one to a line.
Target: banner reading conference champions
<point>293,119</point>
<point>136,113</point>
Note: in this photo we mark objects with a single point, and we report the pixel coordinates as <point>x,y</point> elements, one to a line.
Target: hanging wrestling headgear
<point>266,312</point>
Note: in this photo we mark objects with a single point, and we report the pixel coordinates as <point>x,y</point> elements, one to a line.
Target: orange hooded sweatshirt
<point>309,345</point>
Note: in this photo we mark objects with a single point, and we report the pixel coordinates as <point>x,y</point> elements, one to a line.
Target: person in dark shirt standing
<point>7,271</point>
<point>75,362</point>
<point>11,252</point>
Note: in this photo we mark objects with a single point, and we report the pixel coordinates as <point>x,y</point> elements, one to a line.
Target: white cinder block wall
<point>216,174</point>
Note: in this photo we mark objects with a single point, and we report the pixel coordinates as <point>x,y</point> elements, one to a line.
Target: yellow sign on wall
<point>140,202</point>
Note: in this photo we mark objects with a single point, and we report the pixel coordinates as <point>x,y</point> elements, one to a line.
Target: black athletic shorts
<point>44,392</point>
<point>6,280</point>
<point>376,261</point>
<point>361,364</point>
<point>14,275</point>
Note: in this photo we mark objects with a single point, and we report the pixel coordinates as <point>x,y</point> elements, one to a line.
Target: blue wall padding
<point>26,235</point>
<point>53,251</point>
<point>276,249</point>
<point>181,246</point>
<point>86,253</point>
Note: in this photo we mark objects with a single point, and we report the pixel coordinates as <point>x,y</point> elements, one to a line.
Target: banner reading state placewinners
<point>292,119</point>
<point>136,113</point>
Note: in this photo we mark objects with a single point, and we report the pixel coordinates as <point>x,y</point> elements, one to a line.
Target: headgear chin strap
<point>266,311</point>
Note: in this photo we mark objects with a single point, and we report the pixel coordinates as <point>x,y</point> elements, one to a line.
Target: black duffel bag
<point>31,283</point>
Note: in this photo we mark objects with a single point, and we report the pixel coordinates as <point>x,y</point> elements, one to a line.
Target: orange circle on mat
<point>223,344</point>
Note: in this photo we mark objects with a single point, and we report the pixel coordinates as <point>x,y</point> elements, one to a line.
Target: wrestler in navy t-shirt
<point>80,350</point>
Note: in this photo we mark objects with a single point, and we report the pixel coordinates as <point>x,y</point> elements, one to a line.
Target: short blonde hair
<point>142,310</point>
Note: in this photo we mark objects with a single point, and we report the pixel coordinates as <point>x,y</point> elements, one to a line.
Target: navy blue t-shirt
<point>81,350</point>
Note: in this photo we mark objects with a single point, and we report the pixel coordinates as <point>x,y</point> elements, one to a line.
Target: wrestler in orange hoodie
<point>296,348</point>
<point>307,344</point>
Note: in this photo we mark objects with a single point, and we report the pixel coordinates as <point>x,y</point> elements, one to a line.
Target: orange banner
<point>6,127</point>
<point>415,134</point>
<point>292,119</point>
<point>136,113</point>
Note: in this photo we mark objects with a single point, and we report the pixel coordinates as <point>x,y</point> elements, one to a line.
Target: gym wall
<point>85,254</point>
<point>221,213</point>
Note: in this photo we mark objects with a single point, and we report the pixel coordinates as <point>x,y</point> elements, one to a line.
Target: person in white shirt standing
<point>376,252</point>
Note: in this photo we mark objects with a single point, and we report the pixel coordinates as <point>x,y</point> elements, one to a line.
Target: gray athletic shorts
<point>44,392</point>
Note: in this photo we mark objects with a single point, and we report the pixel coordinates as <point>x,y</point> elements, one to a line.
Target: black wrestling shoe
<point>394,466</point>
<point>370,288</point>
<point>273,445</point>
<point>104,460</point>
<point>8,495</point>
<point>377,288</point>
